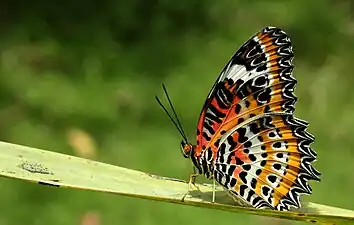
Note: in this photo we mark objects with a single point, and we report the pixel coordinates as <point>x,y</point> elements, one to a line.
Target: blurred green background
<point>79,77</point>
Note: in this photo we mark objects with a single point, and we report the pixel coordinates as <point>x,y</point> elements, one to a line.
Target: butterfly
<point>248,139</point>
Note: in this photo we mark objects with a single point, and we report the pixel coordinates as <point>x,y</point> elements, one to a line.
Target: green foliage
<point>96,66</point>
<point>46,168</point>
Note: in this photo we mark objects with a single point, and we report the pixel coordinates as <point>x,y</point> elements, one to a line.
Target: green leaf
<point>59,170</point>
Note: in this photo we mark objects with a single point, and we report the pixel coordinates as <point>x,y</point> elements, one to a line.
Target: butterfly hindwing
<point>266,161</point>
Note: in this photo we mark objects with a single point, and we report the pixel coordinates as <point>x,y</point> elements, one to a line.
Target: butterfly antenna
<point>170,117</point>
<point>174,111</point>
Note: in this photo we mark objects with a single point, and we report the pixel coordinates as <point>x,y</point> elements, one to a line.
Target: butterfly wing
<point>257,82</point>
<point>257,79</point>
<point>266,161</point>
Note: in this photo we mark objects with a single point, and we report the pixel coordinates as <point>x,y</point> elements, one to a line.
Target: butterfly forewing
<point>247,122</point>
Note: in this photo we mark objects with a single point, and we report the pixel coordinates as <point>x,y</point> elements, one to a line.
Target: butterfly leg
<point>191,182</point>
<point>213,200</point>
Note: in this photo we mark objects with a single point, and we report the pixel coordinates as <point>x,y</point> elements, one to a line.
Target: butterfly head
<point>187,149</point>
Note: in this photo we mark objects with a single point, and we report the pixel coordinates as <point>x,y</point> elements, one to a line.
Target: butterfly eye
<point>186,149</point>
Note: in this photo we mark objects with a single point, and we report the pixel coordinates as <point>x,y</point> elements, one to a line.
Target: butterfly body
<point>248,139</point>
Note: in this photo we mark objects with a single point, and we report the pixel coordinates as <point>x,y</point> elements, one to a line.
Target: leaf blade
<point>59,170</point>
